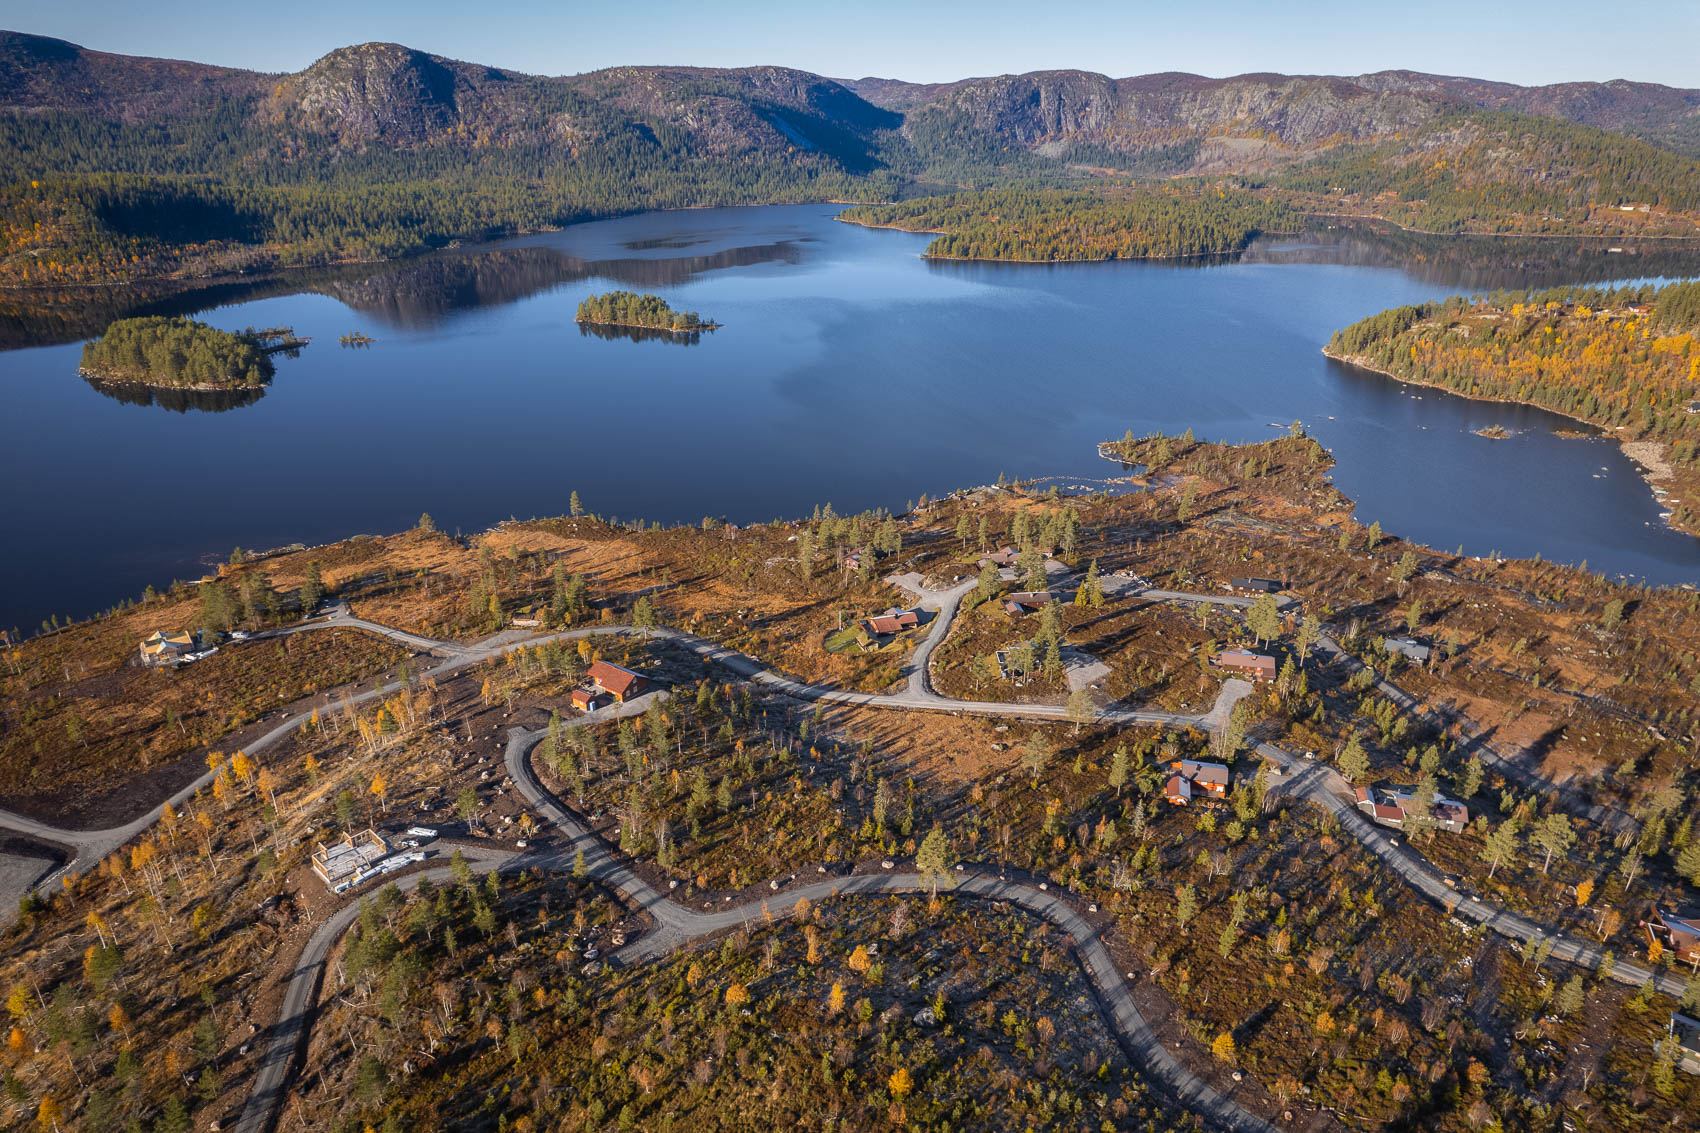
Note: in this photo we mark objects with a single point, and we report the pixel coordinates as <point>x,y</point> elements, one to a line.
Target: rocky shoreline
<point>110,379</point>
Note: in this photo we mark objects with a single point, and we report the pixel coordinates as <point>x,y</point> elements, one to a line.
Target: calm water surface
<point>848,371</point>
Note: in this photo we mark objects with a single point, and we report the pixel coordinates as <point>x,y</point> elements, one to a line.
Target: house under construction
<point>338,863</point>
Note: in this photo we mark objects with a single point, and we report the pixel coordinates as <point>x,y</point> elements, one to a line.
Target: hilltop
<point>1078,111</point>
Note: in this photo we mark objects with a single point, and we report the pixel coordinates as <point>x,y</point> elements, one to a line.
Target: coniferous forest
<point>629,309</point>
<point>1626,358</point>
<point>1015,224</point>
<point>179,353</point>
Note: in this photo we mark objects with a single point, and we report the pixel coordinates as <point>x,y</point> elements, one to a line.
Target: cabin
<point>590,699</point>
<point>160,647</point>
<point>343,863</point>
<point>1387,808</point>
<point>1257,666</point>
<point>1680,936</point>
<point>1026,601</point>
<point>892,621</point>
<point>1261,585</point>
<point>528,618</point>
<point>1195,780</point>
<point>1408,647</point>
<point>619,683</point>
<point>1011,556</point>
<point>1685,1029</point>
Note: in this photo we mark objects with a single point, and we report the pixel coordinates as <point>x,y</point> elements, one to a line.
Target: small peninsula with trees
<point>177,353</point>
<point>629,309</point>
<point>1050,225</point>
<point>1625,358</point>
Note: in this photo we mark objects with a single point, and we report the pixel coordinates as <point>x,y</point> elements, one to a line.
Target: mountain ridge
<point>121,167</point>
<point>43,73</point>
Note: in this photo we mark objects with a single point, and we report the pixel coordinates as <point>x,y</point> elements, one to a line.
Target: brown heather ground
<point>1333,976</point>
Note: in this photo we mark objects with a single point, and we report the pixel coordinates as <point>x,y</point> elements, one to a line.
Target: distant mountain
<point>396,96</point>
<point>1264,115</point>
<point>39,73</point>
<point>1668,116</point>
<point>1195,124</point>
<point>120,167</point>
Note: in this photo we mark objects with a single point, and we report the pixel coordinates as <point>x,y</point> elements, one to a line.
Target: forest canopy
<point>1044,225</point>
<point>1627,358</point>
<point>177,353</point>
<point>1501,172</point>
<point>629,309</point>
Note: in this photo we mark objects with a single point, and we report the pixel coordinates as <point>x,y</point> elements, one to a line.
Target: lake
<point>848,370</point>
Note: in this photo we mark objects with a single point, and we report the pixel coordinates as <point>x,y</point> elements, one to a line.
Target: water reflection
<point>178,400</point>
<point>639,334</point>
<point>424,291</point>
<point>420,293</point>
<point>406,294</point>
<point>1480,263</point>
<point>860,348</point>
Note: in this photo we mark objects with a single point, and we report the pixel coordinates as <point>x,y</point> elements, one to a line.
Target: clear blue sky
<point>920,40</point>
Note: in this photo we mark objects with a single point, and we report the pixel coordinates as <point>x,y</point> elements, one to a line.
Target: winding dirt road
<point>675,926</point>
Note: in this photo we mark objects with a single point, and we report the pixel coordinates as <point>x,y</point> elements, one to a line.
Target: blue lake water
<point>848,370</point>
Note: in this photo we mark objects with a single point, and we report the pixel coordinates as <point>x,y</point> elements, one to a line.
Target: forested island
<point>629,309</point>
<point>1626,358</point>
<point>1049,225</point>
<point>177,353</point>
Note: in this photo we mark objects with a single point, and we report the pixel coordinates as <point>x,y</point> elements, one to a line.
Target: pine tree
<point>1471,780</point>
<point>1353,761</point>
<point>933,861</point>
<point>1186,905</point>
<point>1499,845</point>
<point>1118,770</point>
<point>1554,836</point>
<point>1264,618</point>
<point>1092,589</point>
<point>643,615</point>
<point>1036,755</point>
<point>312,590</point>
<point>1080,708</point>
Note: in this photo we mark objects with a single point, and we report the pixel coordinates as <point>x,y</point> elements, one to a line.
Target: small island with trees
<point>629,309</point>
<point>178,353</point>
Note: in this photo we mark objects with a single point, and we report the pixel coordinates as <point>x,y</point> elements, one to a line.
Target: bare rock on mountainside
<point>385,90</point>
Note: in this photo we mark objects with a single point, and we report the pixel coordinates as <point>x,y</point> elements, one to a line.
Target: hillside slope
<point>120,168</point>
<point>1626,359</point>
<point>1083,109</point>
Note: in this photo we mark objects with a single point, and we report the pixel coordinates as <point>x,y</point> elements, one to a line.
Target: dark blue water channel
<point>848,370</point>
